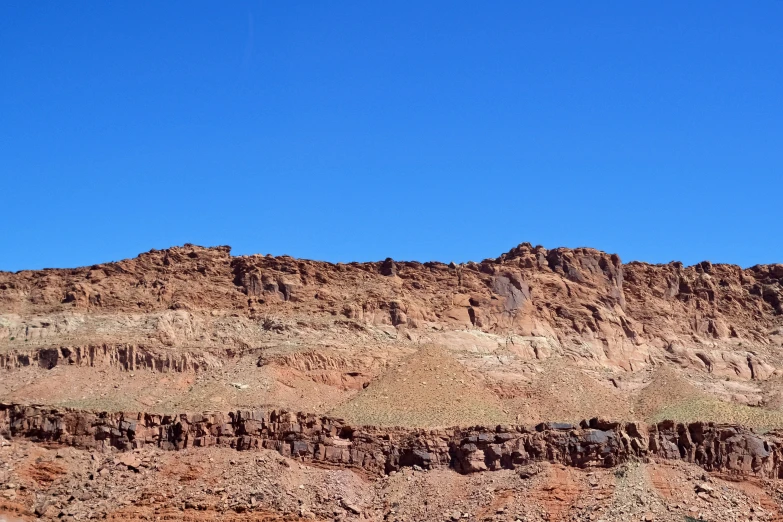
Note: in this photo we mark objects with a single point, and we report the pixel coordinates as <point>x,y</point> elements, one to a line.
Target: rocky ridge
<point>308,438</point>
<point>719,318</point>
<point>342,326</point>
<point>391,390</point>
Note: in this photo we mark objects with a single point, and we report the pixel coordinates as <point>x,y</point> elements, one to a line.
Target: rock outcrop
<point>621,316</point>
<point>126,357</point>
<point>593,443</point>
<point>319,362</point>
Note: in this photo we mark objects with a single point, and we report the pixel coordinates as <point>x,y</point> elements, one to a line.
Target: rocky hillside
<point>396,390</point>
<point>310,335</point>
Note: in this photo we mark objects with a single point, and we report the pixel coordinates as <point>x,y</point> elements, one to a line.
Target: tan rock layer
<point>307,437</point>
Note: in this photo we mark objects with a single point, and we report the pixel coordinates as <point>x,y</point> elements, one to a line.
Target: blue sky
<point>417,130</point>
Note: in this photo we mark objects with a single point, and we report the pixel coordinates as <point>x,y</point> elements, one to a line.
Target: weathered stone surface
<point>730,449</point>
<point>720,319</point>
<point>128,357</point>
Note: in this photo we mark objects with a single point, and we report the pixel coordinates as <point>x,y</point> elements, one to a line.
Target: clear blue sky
<point>417,130</point>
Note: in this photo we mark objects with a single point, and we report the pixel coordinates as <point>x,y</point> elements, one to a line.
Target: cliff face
<point>461,389</point>
<point>587,301</point>
<point>191,308</point>
<point>309,438</point>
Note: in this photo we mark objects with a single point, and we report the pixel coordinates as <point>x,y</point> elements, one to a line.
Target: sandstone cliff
<point>341,326</point>
<point>309,438</point>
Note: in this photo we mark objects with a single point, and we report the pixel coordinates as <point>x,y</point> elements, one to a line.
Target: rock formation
<point>718,318</point>
<point>406,374</point>
<point>306,437</point>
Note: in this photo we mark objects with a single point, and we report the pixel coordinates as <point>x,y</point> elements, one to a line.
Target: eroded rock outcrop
<point>623,316</point>
<point>126,357</point>
<point>594,443</point>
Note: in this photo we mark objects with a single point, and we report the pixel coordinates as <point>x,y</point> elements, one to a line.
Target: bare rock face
<point>125,357</point>
<point>388,268</point>
<point>514,289</point>
<point>625,315</point>
<point>194,309</point>
<point>306,437</point>
<point>478,374</point>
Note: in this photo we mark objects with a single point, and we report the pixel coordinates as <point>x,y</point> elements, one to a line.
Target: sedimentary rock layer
<point>721,319</point>
<point>307,437</point>
<point>128,357</point>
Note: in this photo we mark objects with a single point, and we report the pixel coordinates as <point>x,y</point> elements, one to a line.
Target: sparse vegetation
<point>671,397</point>
<point>713,410</point>
<point>428,389</point>
<point>271,323</point>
